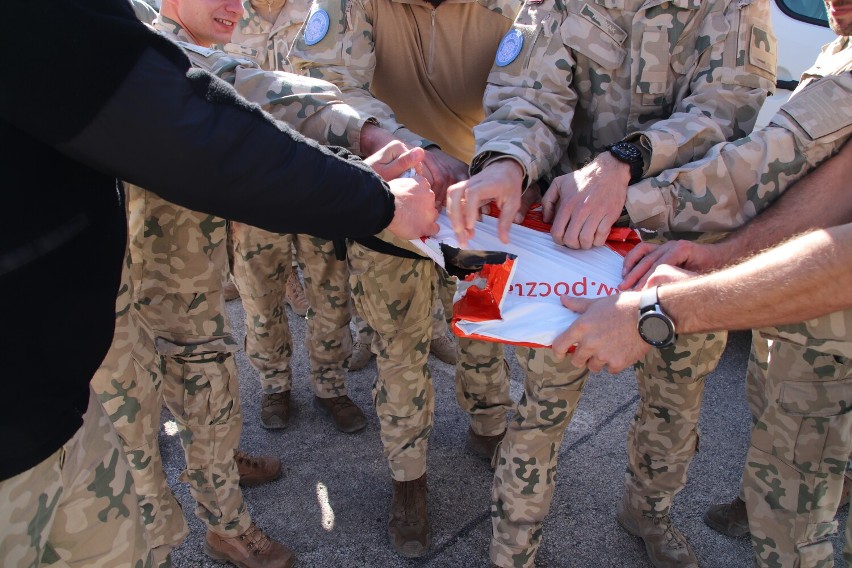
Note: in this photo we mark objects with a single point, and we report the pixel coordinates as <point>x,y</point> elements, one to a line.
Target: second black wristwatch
<point>655,327</point>
<point>629,153</point>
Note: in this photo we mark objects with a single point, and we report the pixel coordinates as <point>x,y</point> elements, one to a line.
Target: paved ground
<point>330,505</point>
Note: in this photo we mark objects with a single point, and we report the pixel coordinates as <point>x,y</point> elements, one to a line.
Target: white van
<point>801,27</point>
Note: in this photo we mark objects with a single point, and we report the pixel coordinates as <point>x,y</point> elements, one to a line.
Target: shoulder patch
<point>509,48</point>
<point>816,110</point>
<point>317,27</point>
<point>762,50</point>
<point>203,51</point>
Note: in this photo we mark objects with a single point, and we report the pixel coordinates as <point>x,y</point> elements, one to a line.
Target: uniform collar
<point>172,29</point>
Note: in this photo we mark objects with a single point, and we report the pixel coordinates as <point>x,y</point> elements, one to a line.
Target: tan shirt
<point>421,70</point>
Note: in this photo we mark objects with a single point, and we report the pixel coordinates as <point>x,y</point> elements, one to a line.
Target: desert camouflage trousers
<point>182,354</point>
<point>177,349</point>
<point>661,441</point>
<point>440,314</point>
<point>77,507</point>
<point>758,365</point>
<point>664,435</point>
<point>262,263</point>
<point>801,401</point>
<point>395,296</point>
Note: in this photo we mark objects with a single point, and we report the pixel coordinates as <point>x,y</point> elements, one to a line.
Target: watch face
<point>655,329</point>
<point>628,151</point>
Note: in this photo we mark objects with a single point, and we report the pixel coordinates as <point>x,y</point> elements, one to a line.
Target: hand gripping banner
<point>513,294</point>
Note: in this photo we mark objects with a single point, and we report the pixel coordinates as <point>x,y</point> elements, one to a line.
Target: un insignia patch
<point>316,27</point>
<point>509,48</point>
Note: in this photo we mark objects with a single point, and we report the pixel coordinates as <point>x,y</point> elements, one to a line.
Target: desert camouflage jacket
<point>737,180</point>
<point>674,76</point>
<point>268,43</point>
<point>312,107</point>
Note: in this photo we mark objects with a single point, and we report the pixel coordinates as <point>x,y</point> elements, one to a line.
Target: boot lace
<point>255,540</point>
<point>243,459</point>
<point>674,538</point>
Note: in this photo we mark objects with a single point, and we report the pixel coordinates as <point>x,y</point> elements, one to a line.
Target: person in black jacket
<point>66,133</point>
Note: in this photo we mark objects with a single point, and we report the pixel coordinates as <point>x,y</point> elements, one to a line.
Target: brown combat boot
<point>345,413</point>
<point>408,528</point>
<point>483,446</point>
<point>275,410</point>
<point>252,549</point>
<point>444,348</point>
<point>730,519</point>
<point>294,294</point>
<point>361,355</point>
<point>666,546</point>
<point>257,470</point>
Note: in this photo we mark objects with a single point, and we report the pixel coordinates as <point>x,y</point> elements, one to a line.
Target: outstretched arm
<point>804,278</point>
<point>821,199</point>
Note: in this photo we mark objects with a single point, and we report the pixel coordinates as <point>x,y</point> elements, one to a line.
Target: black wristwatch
<point>655,327</point>
<point>629,153</point>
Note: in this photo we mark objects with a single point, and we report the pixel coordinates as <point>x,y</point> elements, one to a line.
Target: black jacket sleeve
<point>181,132</point>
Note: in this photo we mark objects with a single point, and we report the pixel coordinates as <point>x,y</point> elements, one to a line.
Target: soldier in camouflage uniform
<point>802,436</point>
<point>185,348</point>
<point>422,72</point>
<point>263,265</point>
<point>802,440</point>
<point>571,79</point>
<point>790,495</point>
<point>381,97</point>
<point>46,508</point>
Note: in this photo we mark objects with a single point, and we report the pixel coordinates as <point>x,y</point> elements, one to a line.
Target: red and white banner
<point>517,302</point>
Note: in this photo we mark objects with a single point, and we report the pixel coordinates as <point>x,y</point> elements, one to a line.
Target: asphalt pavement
<point>330,506</point>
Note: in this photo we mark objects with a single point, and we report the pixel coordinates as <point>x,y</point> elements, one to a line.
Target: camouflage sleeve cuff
<point>641,141</point>
<point>344,128</point>
<point>647,205</point>
<point>483,160</point>
<point>659,150</point>
<point>354,133</point>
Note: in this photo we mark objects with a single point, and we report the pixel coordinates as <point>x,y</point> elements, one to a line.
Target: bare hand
<point>641,262</point>
<point>499,182</point>
<point>584,205</point>
<point>415,212</point>
<point>605,334</point>
<point>395,158</point>
<point>442,170</point>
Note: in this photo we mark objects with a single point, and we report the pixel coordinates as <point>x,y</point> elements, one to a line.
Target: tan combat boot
<point>294,294</point>
<point>444,348</point>
<point>257,470</point>
<point>409,530</point>
<point>361,355</point>
<point>666,546</point>
<point>344,412</point>
<point>730,519</point>
<point>483,446</point>
<point>275,410</point>
<point>252,549</point>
